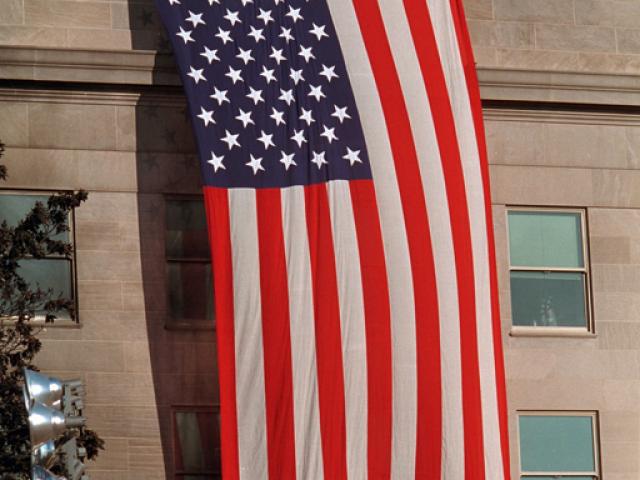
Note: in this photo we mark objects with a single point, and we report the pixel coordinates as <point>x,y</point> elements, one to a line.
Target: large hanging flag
<point>346,187</point>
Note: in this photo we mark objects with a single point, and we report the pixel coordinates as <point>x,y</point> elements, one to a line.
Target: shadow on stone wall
<point>183,362</point>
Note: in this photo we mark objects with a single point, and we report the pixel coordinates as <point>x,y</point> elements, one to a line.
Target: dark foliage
<point>33,237</point>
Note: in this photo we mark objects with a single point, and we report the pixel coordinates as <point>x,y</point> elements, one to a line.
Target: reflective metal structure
<point>53,406</point>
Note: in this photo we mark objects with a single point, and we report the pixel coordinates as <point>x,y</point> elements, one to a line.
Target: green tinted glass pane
<point>198,442</point>
<point>55,274</point>
<point>545,239</point>
<point>549,299</point>
<point>190,291</point>
<point>556,443</point>
<point>13,208</point>
<point>186,235</point>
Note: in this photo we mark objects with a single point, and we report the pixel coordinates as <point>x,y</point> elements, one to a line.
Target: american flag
<point>346,186</point>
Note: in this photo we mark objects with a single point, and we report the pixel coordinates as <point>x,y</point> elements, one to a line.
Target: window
<point>196,440</point>
<point>54,272</point>
<point>558,445</point>
<point>190,283</point>
<point>549,273</point>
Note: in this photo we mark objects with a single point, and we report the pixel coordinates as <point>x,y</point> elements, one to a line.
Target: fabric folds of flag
<point>346,186</point>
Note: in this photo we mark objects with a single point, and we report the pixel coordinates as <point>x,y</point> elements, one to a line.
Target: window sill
<point>573,332</point>
<point>208,325</point>
<point>39,322</point>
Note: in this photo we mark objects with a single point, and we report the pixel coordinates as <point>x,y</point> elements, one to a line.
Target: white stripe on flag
<point>456,83</point>
<point>400,281</point>
<point>252,440</point>
<point>433,181</point>
<point>303,340</point>
<point>352,326</point>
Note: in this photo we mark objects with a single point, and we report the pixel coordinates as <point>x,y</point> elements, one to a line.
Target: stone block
<point>64,13</point>
<point>616,307</point>
<point>120,389</point>
<point>188,389</point>
<point>134,16</point>
<point>614,222</point>
<point>610,249</point>
<point>578,145</point>
<point>541,186</point>
<point>97,295</point>
<point>558,394</point>
<point>131,421</point>
<point>19,35</point>
<point>608,63</point>
<point>485,56</point>
<point>501,34</point>
<point>616,188</point>
<point>106,266</point>
<point>12,12</point>
<point>615,278</point>
<point>607,12</point>
<point>628,41</point>
<point>99,39</point>
<point>537,59</point>
<point>115,455</point>
<point>619,426</point>
<point>94,356</point>
<point>69,126</point>
<point>619,335</point>
<point>515,143</point>
<point>620,458</point>
<point>110,207</point>
<point>14,124</point>
<point>478,9</point>
<point>579,38</point>
<point>544,11</point>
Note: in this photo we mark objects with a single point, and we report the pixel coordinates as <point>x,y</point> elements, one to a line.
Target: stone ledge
<point>139,67</point>
<point>559,87</point>
<point>135,67</point>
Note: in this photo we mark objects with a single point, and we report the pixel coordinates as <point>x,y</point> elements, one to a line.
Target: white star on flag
<point>216,161</point>
<point>197,75</point>
<point>298,137</point>
<point>266,140</point>
<point>353,156</point>
<point>206,116</point>
<point>319,160</point>
<point>185,35</point>
<point>220,96</point>
<point>328,133</point>
<point>210,55</point>
<point>318,31</point>
<point>195,19</point>
<point>340,113</point>
<point>245,118</point>
<point>255,164</point>
<point>230,139</point>
<point>287,160</point>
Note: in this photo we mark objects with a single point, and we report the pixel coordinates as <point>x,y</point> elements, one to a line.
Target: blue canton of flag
<point>268,90</point>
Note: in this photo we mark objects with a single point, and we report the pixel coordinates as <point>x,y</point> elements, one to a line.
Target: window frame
<point>175,323</point>
<point>595,440</point>
<point>529,330</point>
<point>40,319</point>
<point>214,409</point>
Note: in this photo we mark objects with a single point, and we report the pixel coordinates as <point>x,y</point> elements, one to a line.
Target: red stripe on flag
<point>276,336</point>
<point>473,87</point>
<point>328,336</point>
<point>429,427</point>
<point>217,207</point>
<point>378,327</point>
<point>429,58</point>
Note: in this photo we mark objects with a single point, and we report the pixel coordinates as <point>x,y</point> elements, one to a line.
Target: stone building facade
<point>89,99</point>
